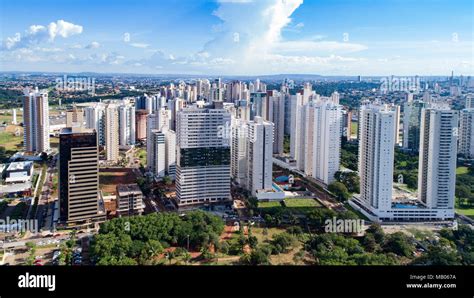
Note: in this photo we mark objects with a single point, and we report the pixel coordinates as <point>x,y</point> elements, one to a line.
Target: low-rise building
<point>19,172</point>
<point>129,200</point>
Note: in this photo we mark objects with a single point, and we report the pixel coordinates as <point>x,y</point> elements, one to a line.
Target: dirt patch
<point>111,177</point>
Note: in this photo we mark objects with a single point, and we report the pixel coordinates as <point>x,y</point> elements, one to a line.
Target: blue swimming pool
<point>404,206</point>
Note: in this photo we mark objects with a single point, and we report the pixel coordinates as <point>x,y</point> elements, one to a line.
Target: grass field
<point>10,141</point>
<point>290,203</point>
<point>468,212</point>
<point>268,204</point>
<point>6,116</point>
<point>462,170</point>
<point>464,209</point>
<point>296,206</point>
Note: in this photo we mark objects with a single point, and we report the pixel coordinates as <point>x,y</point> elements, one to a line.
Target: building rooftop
<point>71,130</point>
<point>20,165</point>
<point>124,189</point>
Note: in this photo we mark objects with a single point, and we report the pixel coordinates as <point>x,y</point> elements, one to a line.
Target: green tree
<point>283,241</point>
<point>170,256</point>
<point>339,190</point>
<point>167,180</point>
<point>256,257</point>
<point>399,244</point>
<point>377,231</point>
<point>438,256</point>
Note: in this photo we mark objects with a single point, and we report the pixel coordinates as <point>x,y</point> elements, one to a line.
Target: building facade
<point>36,121</point>
<point>79,201</point>
<point>203,157</point>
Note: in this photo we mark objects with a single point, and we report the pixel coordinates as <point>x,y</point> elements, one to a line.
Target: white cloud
<point>63,29</point>
<point>299,25</point>
<point>140,45</point>
<point>93,45</point>
<point>37,34</point>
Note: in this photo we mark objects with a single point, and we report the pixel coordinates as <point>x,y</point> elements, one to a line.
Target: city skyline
<point>240,37</point>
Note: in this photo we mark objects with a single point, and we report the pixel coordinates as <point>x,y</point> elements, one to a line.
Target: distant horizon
<point>227,75</point>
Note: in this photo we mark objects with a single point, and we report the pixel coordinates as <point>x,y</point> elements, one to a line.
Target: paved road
<point>45,201</point>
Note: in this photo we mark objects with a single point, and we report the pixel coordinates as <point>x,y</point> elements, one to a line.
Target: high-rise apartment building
<point>74,117</point>
<point>376,154</point>
<point>161,152</point>
<point>36,120</point>
<point>277,116</point>
<point>95,119</point>
<point>297,129</point>
<point>126,116</point>
<point>111,133</point>
<point>260,155</point>
<point>324,143</point>
<point>203,156</point>
<point>239,162</point>
<point>140,124</point>
<point>411,125</point>
<point>466,133</point>
<point>437,162</point>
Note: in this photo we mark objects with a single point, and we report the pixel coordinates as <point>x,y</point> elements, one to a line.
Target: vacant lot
<point>111,177</point>
<point>9,140</point>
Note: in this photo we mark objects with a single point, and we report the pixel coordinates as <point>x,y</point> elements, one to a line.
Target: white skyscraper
<point>111,133</point>
<point>161,152</point>
<point>277,116</point>
<point>239,162</point>
<point>156,152</point>
<point>95,119</point>
<point>260,155</point>
<point>376,154</point>
<point>326,144</point>
<point>126,125</point>
<point>466,133</point>
<point>36,120</point>
<point>437,162</point>
<point>203,156</point>
<point>297,129</point>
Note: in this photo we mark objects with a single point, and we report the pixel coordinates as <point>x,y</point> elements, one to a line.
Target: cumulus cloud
<point>36,34</point>
<point>63,29</point>
<point>249,40</point>
<point>93,45</point>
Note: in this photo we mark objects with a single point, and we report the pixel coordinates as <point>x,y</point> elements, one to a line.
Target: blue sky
<point>247,37</point>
